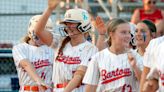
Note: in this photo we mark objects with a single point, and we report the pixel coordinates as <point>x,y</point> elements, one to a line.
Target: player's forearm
<point>90,88</point>
<point>45,36</point>
<point>40,26</point>
<point>143,77</point>
<point>101,42</point>
<point>31,71</point>
<point>74,83</point>
<point>137,72</point>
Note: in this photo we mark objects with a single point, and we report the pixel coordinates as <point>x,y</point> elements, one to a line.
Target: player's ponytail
<point>65,41</point>
<point>26,39</point>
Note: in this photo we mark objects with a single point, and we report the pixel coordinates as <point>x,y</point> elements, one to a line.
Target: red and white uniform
<point>148,60</point>
<point>40,57</point>
<point>111,72</point>
<point>68,61</point>
<point>157,71</point>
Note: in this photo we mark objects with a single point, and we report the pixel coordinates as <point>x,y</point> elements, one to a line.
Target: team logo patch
<point>85,17</point>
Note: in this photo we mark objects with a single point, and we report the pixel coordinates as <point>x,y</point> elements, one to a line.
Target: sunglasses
<point>151,2</point>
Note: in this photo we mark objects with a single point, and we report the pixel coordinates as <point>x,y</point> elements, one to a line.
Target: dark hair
<point>150,25</point>
<point>26,39</point>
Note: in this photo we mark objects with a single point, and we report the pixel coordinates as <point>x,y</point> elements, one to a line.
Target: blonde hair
<point>26,38</point>
<point>112,26</point>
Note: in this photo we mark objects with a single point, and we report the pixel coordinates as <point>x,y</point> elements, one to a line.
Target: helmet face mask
<point>79,16</point>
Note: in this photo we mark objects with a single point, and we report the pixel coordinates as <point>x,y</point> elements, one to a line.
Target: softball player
<point>74,52</point>
<point>149,59</point>
<point>113,69</point>
<point>33,61</point>
<point>157,71</point>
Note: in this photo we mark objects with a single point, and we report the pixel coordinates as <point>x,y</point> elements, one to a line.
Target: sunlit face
<point>149,4</point>
<point>121,37</point>
<point>71,29</point>
<point>142,35</point>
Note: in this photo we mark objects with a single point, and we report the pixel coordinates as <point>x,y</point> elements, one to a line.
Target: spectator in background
<point>150,12</point>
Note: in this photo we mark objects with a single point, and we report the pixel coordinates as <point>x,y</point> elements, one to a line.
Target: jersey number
<point>43,75</point>
<point>126,87</point>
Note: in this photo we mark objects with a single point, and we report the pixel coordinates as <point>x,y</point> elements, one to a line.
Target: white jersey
<point>148,60</point>
<point>111,72</point>
<point>69,60</point>
<point>40,57</point>
<point>157,71</point>
<point>141,59</point>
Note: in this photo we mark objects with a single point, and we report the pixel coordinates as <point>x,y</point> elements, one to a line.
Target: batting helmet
<point>80,16</point>
<point>34,20</point>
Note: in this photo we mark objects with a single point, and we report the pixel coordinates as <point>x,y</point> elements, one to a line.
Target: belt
<point>63,85</point>
<point>30,88</point>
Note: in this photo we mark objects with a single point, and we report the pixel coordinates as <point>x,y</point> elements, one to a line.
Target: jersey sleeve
<point>139,61</point>
<point>87,54</point>
<point>149,55</point>
<point>92,74</point>
<point>19,53</point>
<point>153,74</point>
<point>56,40</point>
<point>157,67</point>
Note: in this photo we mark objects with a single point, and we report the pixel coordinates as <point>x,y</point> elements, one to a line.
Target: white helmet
<point>80,16</point>
<point>34,20</point>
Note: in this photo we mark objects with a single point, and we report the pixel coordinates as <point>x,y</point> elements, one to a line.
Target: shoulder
<point>89,45</point>
<point>102,53</point>
<point>20,45</point>
<point>154,43</point>
<point>157,41</point>
<point>161,47</point>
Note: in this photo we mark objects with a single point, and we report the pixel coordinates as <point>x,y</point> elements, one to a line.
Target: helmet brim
<point>69,21</point>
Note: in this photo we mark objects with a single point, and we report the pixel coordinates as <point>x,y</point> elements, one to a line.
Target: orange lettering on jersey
<point>41,63</point>
<point>114,75</point>
<point>68,59</point>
